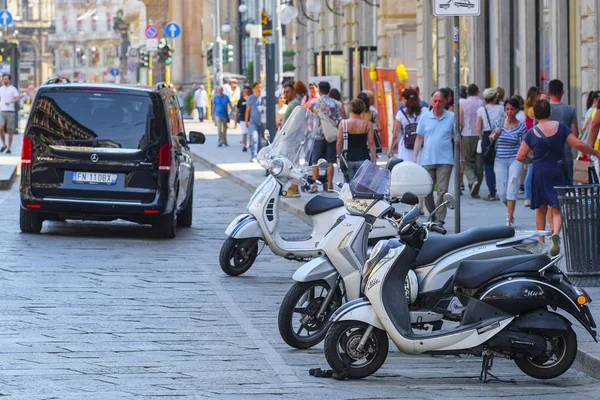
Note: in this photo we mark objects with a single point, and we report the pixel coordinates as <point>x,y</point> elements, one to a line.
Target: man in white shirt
<point>227,88</point>
<point>9,95</point>
<point>200,98</point>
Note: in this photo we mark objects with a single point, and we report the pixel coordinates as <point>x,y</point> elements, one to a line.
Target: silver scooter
<point>323,284</point>
<point>510,311</point>
<point>285,160</point>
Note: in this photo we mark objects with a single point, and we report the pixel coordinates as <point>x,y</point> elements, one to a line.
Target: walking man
<point>200,100</point>
<point>253,120</point>
<point>468,118</point>
<point>434,141</point>
<point>9,95</point>
<point>222,105</point>
<point>292,102</point>
<point>567,115</point>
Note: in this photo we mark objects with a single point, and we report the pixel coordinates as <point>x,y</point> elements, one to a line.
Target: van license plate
<point>94,178</point>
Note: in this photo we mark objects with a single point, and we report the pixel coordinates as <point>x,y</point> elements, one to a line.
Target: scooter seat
<point>319,204</point>
<point>436,246</point>
<point>473,273</point>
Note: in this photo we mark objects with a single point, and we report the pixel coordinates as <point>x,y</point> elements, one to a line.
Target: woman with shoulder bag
<point>547,140</point>
<point>355,142</point>
<point>507,136</point>
<point>405,131</point>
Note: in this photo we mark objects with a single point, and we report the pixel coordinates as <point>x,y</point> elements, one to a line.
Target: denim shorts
<point>323,149</point>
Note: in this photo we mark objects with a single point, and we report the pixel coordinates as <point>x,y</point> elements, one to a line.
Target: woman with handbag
<point>547,140</point>
<point>371,114</point>
<point>506,139</point>
<point>355,142</point>
<point>486,115</point>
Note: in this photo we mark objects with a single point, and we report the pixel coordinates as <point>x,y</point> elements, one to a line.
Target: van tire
<point>185,217</point>
<point>166,225</point>
<point>30,221</point>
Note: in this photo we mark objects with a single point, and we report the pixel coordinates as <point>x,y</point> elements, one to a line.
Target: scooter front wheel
<point>298,323</point>
<point>238,255</point>
<point>343,354</point>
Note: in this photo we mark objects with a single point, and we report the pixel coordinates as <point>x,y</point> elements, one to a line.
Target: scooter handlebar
<point>438,229</point>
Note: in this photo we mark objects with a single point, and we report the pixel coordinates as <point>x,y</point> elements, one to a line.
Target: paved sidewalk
<point>234,164</point>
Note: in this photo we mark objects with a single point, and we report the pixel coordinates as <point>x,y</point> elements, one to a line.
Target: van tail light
<point>164,158</point>
<point>26,151</point>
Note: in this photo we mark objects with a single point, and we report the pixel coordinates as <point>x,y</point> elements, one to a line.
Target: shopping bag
<point>581,171</point>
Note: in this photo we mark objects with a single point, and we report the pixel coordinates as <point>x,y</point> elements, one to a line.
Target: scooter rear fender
<point>318,269</point>
<point>244,226</point>
<point>358,310</point>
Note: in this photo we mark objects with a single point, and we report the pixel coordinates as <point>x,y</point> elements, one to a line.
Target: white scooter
<point>325,283</point>
<point>284,159</point>
<point>510,305</point>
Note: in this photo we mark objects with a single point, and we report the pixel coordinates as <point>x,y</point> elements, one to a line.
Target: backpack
<point>410,132</point>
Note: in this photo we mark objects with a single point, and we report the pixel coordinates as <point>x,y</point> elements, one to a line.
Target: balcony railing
<point>82,36</point>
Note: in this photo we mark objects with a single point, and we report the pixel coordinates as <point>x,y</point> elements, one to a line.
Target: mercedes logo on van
<point>94,157</point>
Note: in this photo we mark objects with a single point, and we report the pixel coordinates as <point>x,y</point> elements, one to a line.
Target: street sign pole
<point>457,9</point>
<point>150,69</point>
<point>457,136</point>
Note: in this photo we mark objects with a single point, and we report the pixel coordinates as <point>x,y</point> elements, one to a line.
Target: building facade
<point>33,22</point>
<point>93,39</point>
<point>514,44</point>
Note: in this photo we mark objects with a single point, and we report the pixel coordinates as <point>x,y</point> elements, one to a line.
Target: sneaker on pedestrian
<point>474,188</point>
<point>244,149</point>
<point>527,203</point>
<point>510,222</point>
<point>253,159</point>
<point>555,248</point>
<point>220,145</point>
<point>226,145</point>
<point>292,191</point>
<point>492,197</point>
<point>8,151</point>
<point>2,149</point>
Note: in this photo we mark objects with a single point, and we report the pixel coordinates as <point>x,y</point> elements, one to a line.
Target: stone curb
<point>588,364</point>
<point>584,362</point>
<point>285,204</point>
<point>6,183</point>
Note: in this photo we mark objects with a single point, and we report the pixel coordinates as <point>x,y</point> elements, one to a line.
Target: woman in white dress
<point>405,125</point>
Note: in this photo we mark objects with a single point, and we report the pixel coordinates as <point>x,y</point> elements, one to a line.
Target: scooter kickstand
<point>486,368</point>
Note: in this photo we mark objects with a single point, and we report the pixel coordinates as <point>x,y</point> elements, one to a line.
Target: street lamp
<point>226,28</point>
<point>243,8</point>
<point>288,14</point>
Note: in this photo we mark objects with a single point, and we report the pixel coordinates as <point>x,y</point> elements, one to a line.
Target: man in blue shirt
<point>434,134</point>
<point>222,105</point>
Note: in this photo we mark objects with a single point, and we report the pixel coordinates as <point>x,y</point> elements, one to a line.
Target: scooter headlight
<point>383,251</point>
<point>276,167</point>
<point>355,206</point>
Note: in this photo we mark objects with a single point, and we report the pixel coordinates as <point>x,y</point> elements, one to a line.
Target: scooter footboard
<point>245,226</point>
<point>358,310</point>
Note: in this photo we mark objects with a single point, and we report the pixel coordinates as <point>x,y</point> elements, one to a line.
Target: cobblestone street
<point>105,311</point>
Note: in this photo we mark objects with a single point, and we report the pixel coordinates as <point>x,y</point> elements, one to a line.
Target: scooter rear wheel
<point>238,255</point>
<point>344,357</point>
<point>564,352</point>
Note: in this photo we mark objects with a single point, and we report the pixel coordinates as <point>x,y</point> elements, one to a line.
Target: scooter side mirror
<point>449,200</point>
<point>409,198</point>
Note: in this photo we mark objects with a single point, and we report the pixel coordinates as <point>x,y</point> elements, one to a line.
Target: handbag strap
<point>488,116</point>
<point>345,134</point>
<point>547,143</point>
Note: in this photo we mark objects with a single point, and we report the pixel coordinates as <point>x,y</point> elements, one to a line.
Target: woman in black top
<point>241,114</point>
<point>360,144</point>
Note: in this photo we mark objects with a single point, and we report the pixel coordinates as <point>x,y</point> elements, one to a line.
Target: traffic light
<point>209,54</point>
<point>144,57</point>
<point>166,55</point>
<point>228,54</point>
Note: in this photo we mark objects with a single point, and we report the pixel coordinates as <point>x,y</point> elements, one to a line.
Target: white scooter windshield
<point>370,181</point>
<point>294,141</point>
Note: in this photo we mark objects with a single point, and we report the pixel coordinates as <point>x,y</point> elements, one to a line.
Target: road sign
<point>114,71</point>
<point>172,30</point>
<point>131,67</point>
<point>6,18</point>
<point>456,8</point>
<point>151,31</point>
<point>151,45</point>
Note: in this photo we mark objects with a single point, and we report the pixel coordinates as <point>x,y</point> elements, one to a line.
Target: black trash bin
<point>580,211</point>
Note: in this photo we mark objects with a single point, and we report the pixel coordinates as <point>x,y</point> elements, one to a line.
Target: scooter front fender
<point>244,226</point>
<point>358,310</point>
<point>317,269</point>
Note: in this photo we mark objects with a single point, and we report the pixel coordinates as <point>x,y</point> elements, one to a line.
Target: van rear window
<point>94,119</point>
